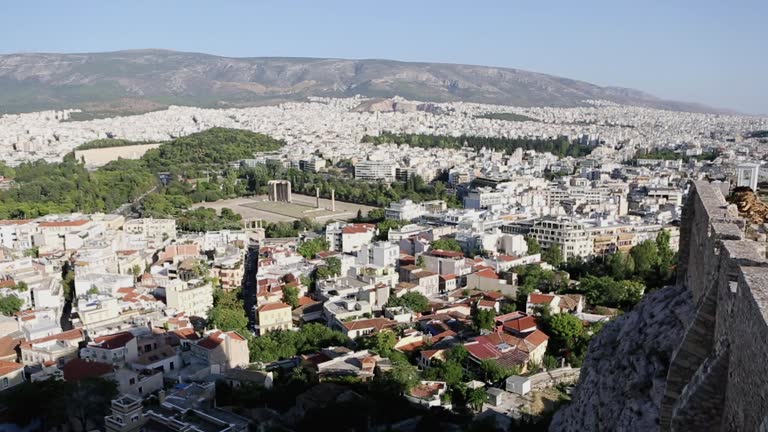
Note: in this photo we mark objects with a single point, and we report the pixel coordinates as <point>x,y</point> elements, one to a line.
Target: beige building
<point>226,350</point>
<point>152,228</point>
<point>11,374</point>
<point>273,316</point>
<point>193,297</point>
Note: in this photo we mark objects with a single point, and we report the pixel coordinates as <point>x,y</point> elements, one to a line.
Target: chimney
<point>161,396</point>
<point>317,196</point>
<point>333,200</point>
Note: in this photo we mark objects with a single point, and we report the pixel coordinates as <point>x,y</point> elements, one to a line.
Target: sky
<point>707,51</point>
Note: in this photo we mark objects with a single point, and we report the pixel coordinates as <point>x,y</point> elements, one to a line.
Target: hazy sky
<point>714,52</point>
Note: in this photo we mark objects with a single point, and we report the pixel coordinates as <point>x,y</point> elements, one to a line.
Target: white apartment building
<point>375,170</point>
<point>349,238</point>
<point>570,235</point>
<point>405,210</point>
<point>380,254</point>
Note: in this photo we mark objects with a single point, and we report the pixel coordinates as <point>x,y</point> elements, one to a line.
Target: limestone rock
<point>623,377</point>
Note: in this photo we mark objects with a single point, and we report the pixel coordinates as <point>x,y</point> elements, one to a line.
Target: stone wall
<point>716,380</point>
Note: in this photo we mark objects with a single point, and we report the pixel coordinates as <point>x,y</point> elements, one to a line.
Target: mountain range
<point>126,82</point>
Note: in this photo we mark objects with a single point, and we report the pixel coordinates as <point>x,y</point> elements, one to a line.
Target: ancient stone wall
<point>716,380</point>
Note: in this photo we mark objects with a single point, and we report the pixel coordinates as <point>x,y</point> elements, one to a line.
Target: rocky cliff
<point>624,375</point>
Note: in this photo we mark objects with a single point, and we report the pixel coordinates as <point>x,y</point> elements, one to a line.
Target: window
<point>5,382</point>
<point>132,381</point>
<point>134,419</point>
<point>171,365</point>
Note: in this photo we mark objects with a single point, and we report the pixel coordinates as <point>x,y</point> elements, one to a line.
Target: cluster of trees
<point>205,219</point>
<point>569,337</point>
<point>413,300</point>
<point>447,244</point>
<point>228,313</point>
<point>309,338</point>
<point>651,262</point>
<point>377,194</point>
<point>10,304</point>
<point>508,117</point>
<point>560,146</point>
<point>331,268</point>
<point>310,248</point>
<point>67,186</point>
<point>210,149</point>
<point>668,154</point>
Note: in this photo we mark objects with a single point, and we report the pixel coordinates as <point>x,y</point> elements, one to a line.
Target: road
<point>249,282</point>
<point>123,209</point>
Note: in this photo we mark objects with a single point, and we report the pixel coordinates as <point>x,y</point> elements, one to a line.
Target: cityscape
<point>362,261</point>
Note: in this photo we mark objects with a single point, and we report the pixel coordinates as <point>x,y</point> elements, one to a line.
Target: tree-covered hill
<point>66,186</point>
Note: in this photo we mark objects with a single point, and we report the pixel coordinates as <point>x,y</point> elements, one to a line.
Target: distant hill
<point>124,82</point>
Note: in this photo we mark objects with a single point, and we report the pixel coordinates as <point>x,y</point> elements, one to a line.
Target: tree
<point>21,286</point>
<point>447,244</point>
<point>484,319</point>
<point>227,313</point>
<point>553,255</point>
<point>136,271</point>
<point>493,372</point>
<point>413,300</point>
<point>309,249</point>
<point>533,245</point>
<point>331,268</point>
<point>646,257</point>
<point>10,304</point>
<point>89,400</point>
<point>458,353</point>
<point>382,343</point>
<point>291,295</point>
<point>476,397</point>
<point>226,319</point>
<point>565,329</point>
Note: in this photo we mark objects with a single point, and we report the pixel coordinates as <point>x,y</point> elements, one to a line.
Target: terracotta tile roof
<point>507,258</point>
<point>448,277</point>
<point>427,390</point>
<point>77,369</point>
<point>521,325</point>
<point>235,335</point>
<point>7,367</point>
<point>487,273</point>
<point>428,354</point>
<point>273,306</point>
<point>540,298</point>
<point>358,228</point>
<point>73,223</point>
<point>15,221</point>
<point>537,338</point>
<point>446,254</point>
<point>493,295</point>
<point>305,300</point>
<point>570,301</point>
<point>486,303</point>
<point>186,334</point>
<point>212,341</point>
<point>376,323</point>
<point>113,341</point>
<point>8,346</point>
<point>67,335</point>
